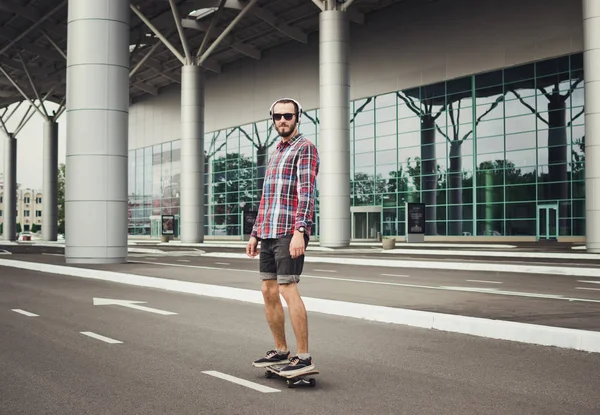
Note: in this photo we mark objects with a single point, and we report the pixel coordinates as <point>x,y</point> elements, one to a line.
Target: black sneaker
<point>272,357</point>
<point>298,366</point>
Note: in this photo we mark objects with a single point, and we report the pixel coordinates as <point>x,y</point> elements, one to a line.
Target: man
<point>283,226</point>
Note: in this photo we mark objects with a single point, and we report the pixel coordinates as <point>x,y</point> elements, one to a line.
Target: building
<point>474,108</point>
<point>29,208</point>
<point>484,111</point>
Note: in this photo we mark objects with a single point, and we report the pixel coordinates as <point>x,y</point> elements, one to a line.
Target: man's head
<point>286,114</point>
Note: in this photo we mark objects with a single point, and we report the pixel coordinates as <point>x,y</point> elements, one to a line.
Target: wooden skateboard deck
<point>291,380</point>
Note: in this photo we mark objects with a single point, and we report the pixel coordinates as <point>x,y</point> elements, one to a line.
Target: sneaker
<point>298,366</point>
<point>272,357</point>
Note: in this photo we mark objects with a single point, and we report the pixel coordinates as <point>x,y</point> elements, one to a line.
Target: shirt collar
<point>283,144</point>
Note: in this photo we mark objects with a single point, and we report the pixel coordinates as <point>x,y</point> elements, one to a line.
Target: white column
<point>334,132</point>
<point>97,128</point>
<point>192,155</point>
<point>9,228</point>
<point>50,186</point>
<point>591,62</point>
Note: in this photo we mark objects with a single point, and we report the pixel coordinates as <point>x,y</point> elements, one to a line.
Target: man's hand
<point>251,247</point>
<point>297,245</point>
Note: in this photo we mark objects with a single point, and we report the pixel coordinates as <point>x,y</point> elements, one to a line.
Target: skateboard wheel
<point>289,383</point>
<point>268,374</point>
<point>313,382</point>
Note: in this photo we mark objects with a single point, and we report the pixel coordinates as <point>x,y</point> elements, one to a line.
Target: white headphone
<point>298,115</point>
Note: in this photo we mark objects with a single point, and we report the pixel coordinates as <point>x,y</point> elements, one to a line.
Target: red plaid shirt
<point>288,196</point>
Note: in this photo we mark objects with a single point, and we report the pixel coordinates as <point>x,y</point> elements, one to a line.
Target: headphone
<point>298,114</point>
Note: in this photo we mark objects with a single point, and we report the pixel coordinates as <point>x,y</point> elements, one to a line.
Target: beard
<point>286,130</point>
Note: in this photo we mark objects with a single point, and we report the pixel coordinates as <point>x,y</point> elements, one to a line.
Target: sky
<point>30,144</point>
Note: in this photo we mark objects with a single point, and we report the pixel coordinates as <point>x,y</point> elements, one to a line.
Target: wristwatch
<point>301,229</point>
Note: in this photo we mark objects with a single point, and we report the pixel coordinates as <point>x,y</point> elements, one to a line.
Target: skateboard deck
<point>292,380</point>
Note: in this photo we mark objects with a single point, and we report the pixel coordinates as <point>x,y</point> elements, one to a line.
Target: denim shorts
<point>276,262</point>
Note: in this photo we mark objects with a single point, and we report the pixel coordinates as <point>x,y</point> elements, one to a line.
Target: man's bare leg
<point>274,312</point>
<point>297,314</point>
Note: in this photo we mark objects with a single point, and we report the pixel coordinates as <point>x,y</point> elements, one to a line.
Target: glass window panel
<point>386,128</point>
<point>363,132</point>
<point>521,141</point>
<point>490,145</point>
<point>385,170</point>
<point>523,106</point>
<point>407,114</point>
<point>386,157</point>
<point>458,89</point>
<point>386,114</point>
<point>363,146</point>
<point>411,153</point>
<point>386,142</point>
<point>521,227</point>
<point>519,73</point>
<point>489,129</point>
<point>364,160</point>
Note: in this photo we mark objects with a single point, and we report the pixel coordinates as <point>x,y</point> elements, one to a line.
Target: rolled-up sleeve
<point>308,168</point>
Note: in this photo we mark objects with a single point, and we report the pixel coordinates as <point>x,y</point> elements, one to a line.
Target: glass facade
<point>493,154</point>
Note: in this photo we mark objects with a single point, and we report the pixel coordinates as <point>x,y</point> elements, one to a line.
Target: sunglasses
<point>288,116</point>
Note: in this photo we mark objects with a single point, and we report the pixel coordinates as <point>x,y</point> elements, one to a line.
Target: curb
<point>429,264</point>
<point>583,340</point>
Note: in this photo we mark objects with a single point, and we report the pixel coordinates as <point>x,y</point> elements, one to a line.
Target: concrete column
<point>9,228</point>
<point>591,62</point>
<point>97,128</point>
<point>334,132</point>
<point>50,187</point>
<point>192,155</point>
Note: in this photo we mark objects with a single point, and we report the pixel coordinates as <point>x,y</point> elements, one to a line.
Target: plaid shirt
<point>288,196</point>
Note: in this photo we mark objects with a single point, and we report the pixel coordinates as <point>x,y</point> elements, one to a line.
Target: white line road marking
<point>150,257</point>
<point>183,260</point>
<point>25,313</point>
<point>396,275</point>
<point>131,304</point>
<point>484,282</point>
<point>585,288</point>
<point>99,337</point>
<point>589,282</point>
<point>325,270</point>
<point>246,383</point>
<point>397,284</point>
<point>222,263</point>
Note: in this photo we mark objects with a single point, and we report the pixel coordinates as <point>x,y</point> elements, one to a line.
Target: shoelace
<point>294,361</point>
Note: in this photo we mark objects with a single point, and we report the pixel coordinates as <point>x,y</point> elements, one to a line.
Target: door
<point>547,222</point>
<point>366,223</point>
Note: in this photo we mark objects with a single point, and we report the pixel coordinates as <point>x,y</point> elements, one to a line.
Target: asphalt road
<point>48,366</point>
<point>555,300</point>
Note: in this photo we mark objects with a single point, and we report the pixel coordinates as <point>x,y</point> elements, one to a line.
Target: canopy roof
<point>33,39</point>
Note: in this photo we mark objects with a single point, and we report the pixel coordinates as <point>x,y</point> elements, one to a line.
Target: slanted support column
<point>50,186</point>
<point>334,132</point>
<point>9,228</point>
<point>591,62</point>
<point>97,128</point>
<point>192,154</point>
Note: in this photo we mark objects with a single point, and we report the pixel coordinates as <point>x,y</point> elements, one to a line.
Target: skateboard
<point>293,380</point>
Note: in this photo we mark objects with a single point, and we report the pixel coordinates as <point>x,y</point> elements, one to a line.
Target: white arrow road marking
<point>246,383</point>
<point>99,337</point>
<point>130,304</point>
<point>25,313</point>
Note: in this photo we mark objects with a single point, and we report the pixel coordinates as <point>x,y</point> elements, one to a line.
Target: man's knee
<point>289,290</point>
<point>270,290</point>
